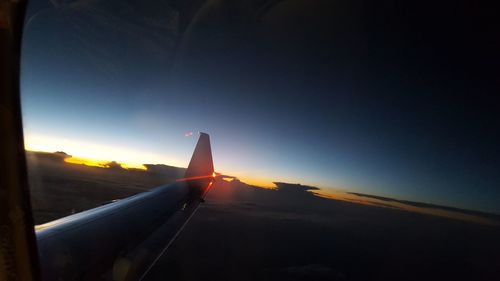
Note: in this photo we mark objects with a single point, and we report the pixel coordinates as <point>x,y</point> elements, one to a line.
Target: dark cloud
<point>428,205</point>
<point>293,187</point>
<point>114,165</point>
<point>175,172</point>
<point>58,156</point>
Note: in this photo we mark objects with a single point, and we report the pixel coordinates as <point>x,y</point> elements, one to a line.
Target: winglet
<point>201,164</point>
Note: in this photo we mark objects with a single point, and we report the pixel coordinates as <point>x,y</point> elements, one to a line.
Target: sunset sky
<point>352,102</point>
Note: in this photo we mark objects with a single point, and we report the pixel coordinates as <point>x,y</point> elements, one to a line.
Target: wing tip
<point>201,163</point>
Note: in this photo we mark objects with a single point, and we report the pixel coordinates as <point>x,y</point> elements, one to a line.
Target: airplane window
<point>263,140</point>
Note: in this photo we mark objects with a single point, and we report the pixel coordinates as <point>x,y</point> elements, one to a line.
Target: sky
<point>385,98</point>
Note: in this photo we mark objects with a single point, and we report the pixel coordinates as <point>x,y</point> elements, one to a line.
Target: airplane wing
<point>124,238</point>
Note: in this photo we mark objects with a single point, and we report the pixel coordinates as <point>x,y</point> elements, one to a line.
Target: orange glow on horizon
<point>86,162</point>
<point>97,152</point>
<point>255,181</point>
<point>102,163</point>
<point>133,166</point>
<point>258,182</point>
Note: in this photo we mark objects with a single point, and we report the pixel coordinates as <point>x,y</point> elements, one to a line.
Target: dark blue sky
<point>390,99</point>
